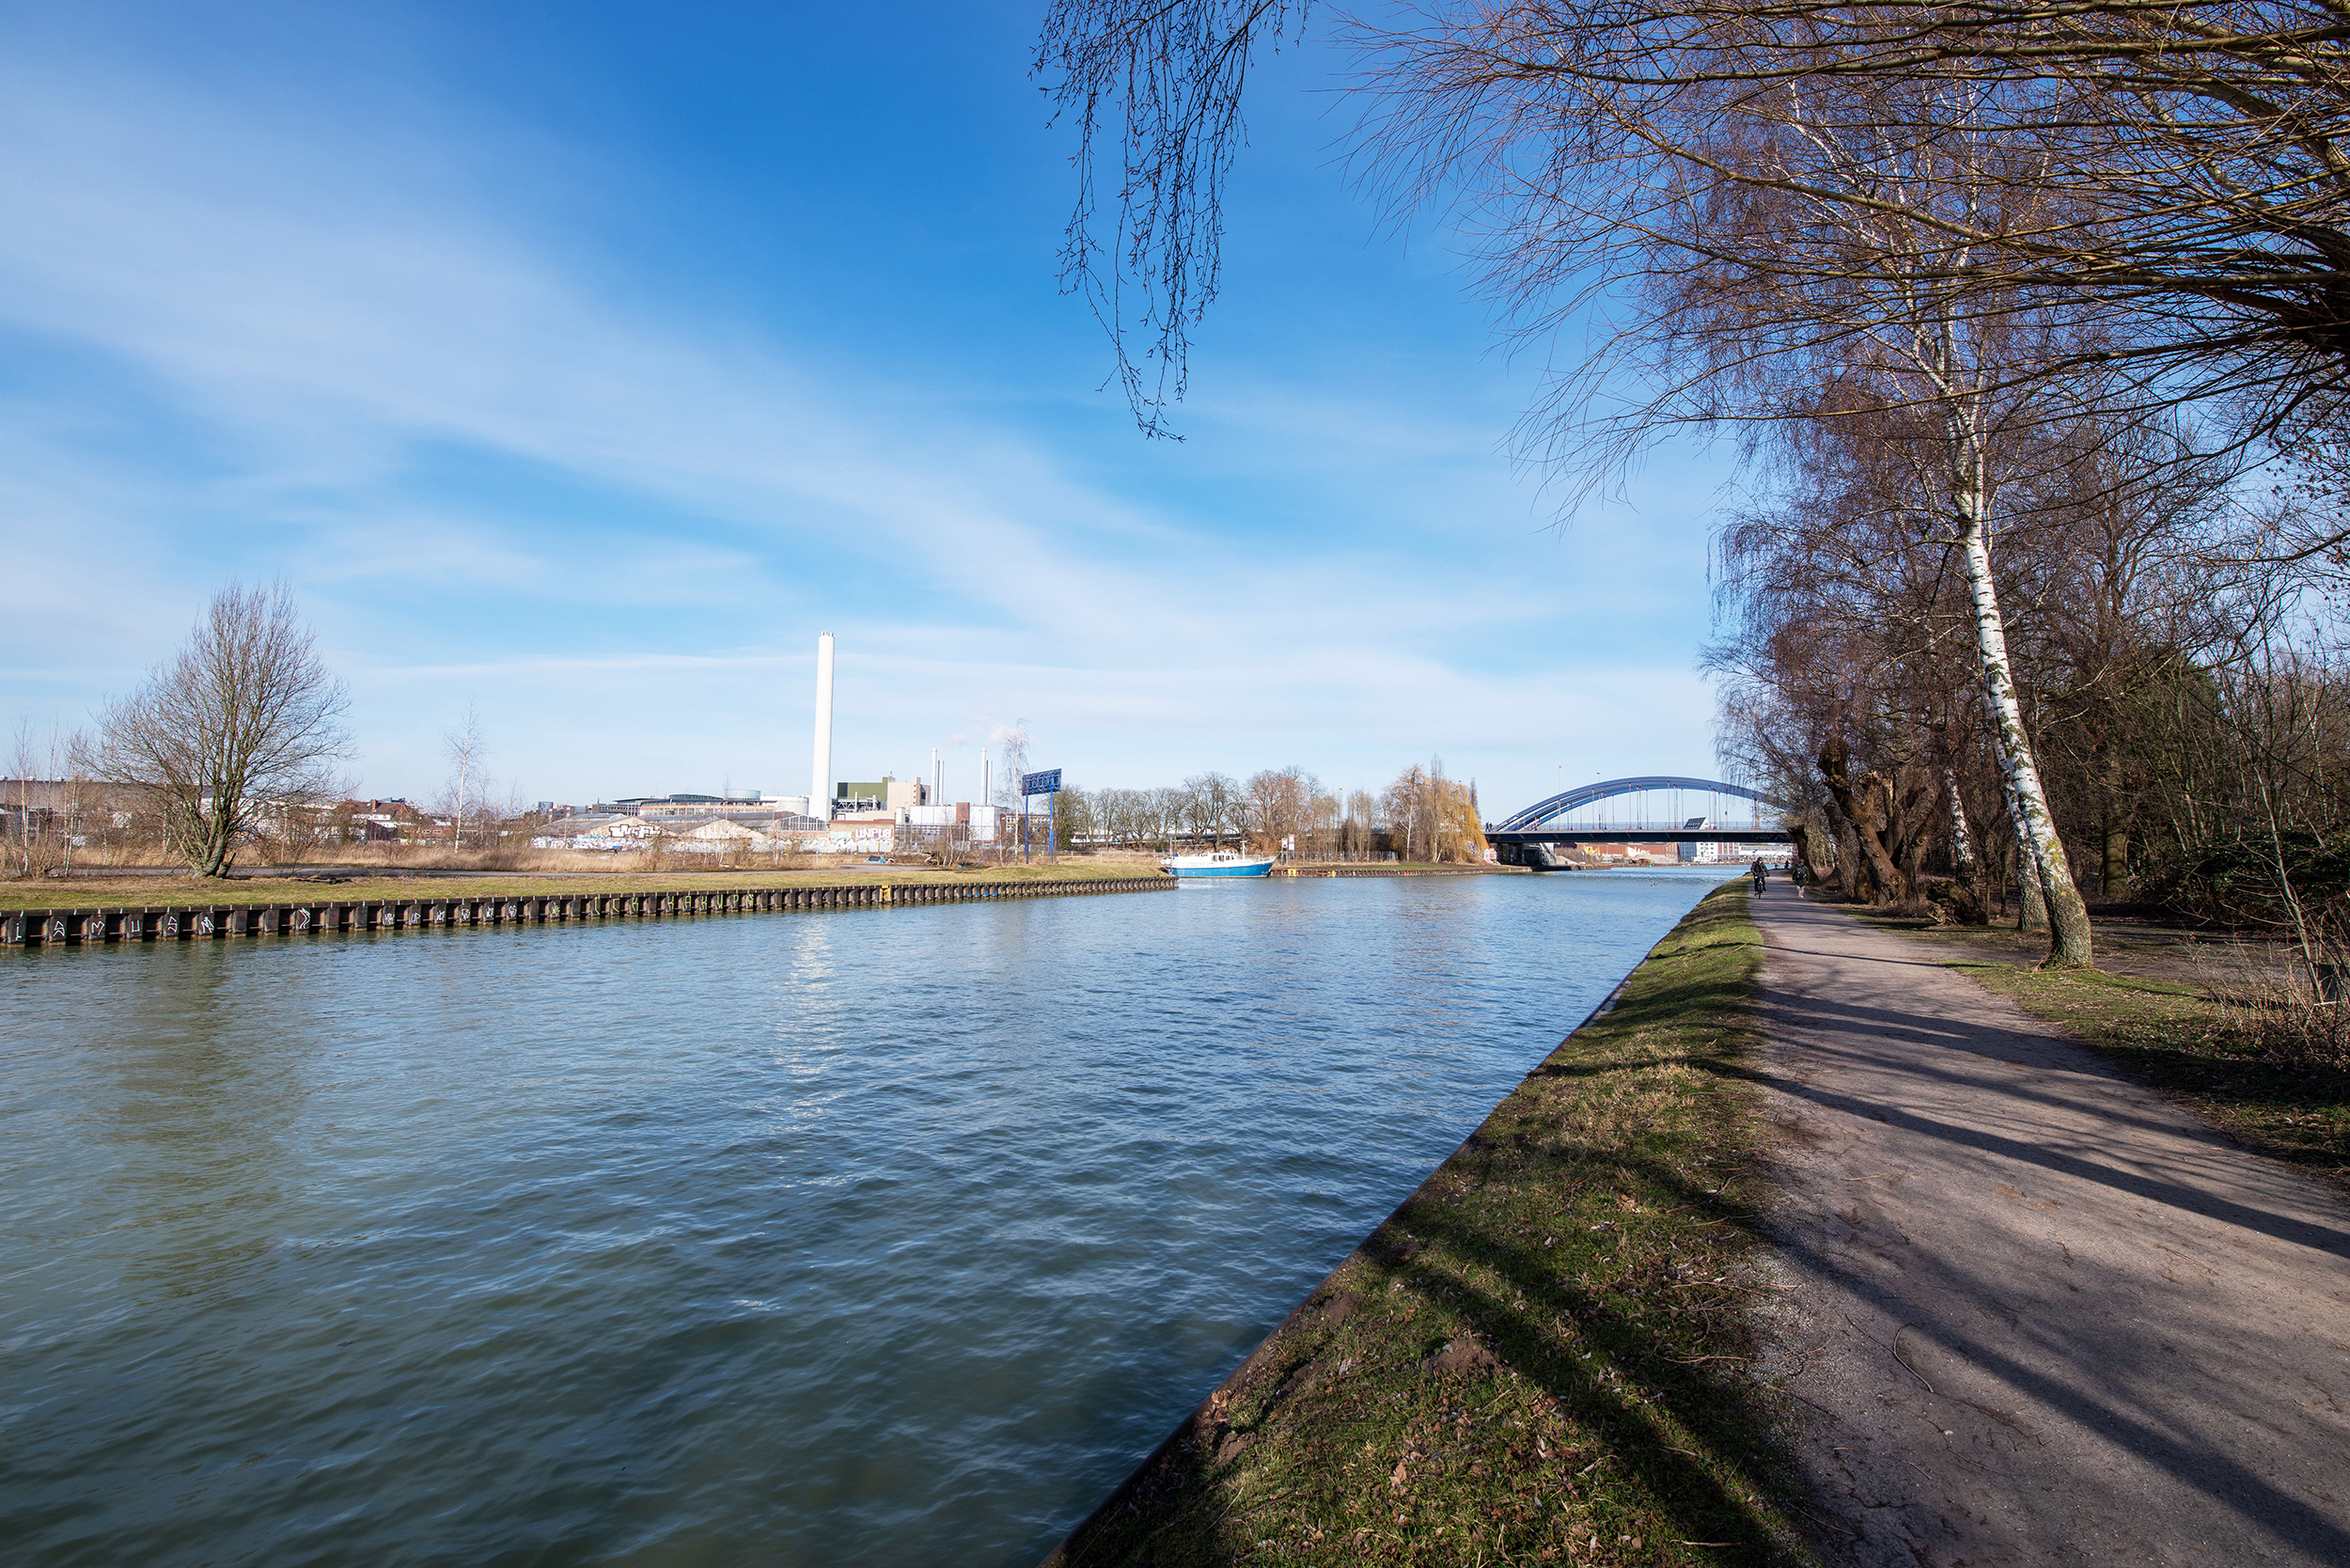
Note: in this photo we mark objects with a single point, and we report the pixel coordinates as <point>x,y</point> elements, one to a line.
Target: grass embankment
<point>2193,1030</point>
<point>1537,1359</point>
<point>118,892</point>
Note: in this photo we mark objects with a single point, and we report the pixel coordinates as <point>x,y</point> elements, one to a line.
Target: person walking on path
<point>2030,1312</point>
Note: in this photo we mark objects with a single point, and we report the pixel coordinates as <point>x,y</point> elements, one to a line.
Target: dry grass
<point>411,857</point>
<point>1538,1359</point>
<point>2271,1017</point>
<point>2222,1022</point>
<point>2270,1076</point>
<point>404,882</point>
<point>40,858</point>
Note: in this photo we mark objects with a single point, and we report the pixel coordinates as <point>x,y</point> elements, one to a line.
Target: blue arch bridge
<point>1656,810</point>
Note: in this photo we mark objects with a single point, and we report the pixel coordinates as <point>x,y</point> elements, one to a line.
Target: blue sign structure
<point>1045,783</point>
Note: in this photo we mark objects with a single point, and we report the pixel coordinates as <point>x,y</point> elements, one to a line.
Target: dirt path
<point>2038,1315</point>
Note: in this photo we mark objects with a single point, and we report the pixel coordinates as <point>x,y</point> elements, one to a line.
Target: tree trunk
<point>1873,794</point>
<point>1962,847</point>
<point>1816,847</point>
<point>1866,805</point>
<point>1912,832</point>
<point>208,850</point>
<point>2031,895</point>
<point>2115,881</point>
<point>2069,943</point>
<point>1969,867</point>
<point>2031,898</point>
<point>1852,868</point>
<point>1853,879</point>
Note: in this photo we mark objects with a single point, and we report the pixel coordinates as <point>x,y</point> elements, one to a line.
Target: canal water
<point>890,1237</point>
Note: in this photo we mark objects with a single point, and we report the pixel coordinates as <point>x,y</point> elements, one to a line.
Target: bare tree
<point>1829,292</point>
<point>1920,186</point>
<point>1277,803</point>
<point>1168,805</point>
<point>464,748</point>
<point>1364,821</point>
<point>1214,805</point>
<point>46,805</point>
<point>1012,750</point>
<point>1432,818</point>
<point>245,719</point>
<point>1162,83</point>
<point>2183,159</point>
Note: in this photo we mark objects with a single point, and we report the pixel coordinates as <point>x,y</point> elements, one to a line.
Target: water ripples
<point>845,1237</point>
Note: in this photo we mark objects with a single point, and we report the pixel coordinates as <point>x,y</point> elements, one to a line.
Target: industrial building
<point>741,806</point>
<point>837,815</point>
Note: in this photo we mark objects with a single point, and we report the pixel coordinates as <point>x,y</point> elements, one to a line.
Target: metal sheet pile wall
<point>187,922</point>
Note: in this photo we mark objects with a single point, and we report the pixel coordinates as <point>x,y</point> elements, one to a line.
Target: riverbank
<point>89,893</point>
<point>439,907</point>
<point>138,887</point>
<point>1538,1357</point>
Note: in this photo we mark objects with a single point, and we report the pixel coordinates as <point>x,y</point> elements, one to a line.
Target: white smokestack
<point>820,793</point>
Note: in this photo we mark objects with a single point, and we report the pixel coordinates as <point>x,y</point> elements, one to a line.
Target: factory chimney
<point>820,793</point>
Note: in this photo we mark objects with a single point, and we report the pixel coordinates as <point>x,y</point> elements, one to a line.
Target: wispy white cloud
<point>325,317</point>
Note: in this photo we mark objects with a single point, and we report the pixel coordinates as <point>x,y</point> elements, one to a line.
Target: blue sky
<point>581,362</point>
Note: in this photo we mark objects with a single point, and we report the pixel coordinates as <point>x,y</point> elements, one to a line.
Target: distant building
<point>860,797</point>
<point>607,833</point>
<point>1703,852</point>
<point>877,800</point>
<point>977,824</point>
<point>32,807</point>
<point>737,807</point>
<point>376,822</point>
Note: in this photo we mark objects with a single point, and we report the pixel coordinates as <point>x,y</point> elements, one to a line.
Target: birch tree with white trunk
<point>1735,211</point>
<point>464,748</point>
<point>1859,305</point>
<point>1791,264</point>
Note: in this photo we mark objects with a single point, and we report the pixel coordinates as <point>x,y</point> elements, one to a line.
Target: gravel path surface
<point>2035,1314</point>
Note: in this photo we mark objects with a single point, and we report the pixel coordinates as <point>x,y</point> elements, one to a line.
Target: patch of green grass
<point>2175,1038</point>
<point>1539,1356</point>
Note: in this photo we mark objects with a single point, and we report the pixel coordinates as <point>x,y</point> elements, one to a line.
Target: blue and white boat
<point>1220,863</point>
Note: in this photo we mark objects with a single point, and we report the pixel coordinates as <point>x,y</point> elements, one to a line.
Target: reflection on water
<point>852,1237</point>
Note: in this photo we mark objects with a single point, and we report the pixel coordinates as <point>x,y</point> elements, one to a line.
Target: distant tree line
<point>227,749</point>
<point>1422,815</point>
